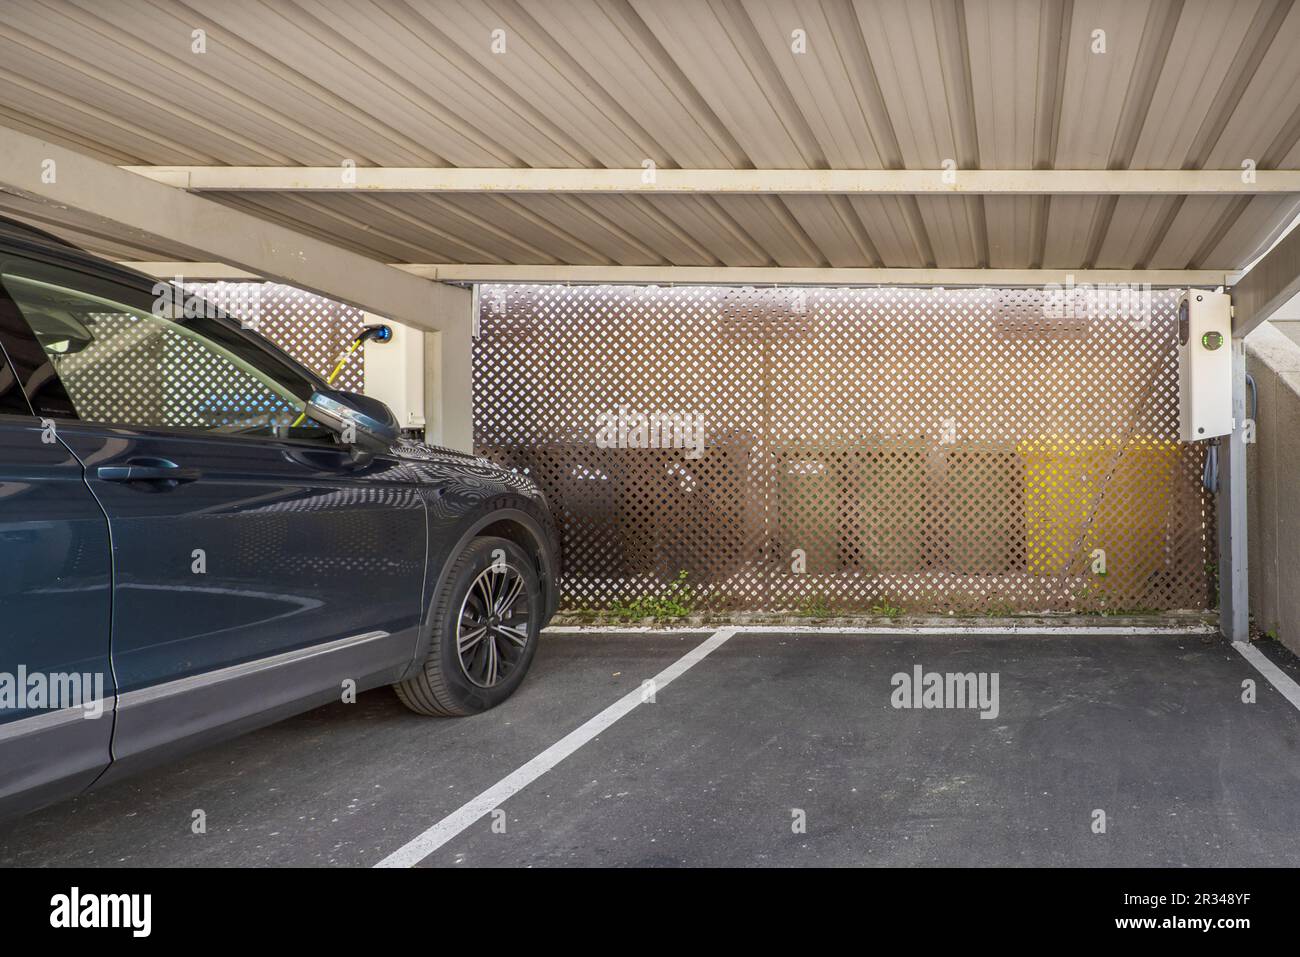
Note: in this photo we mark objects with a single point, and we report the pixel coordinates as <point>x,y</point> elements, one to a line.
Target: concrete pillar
<point>448,393</point>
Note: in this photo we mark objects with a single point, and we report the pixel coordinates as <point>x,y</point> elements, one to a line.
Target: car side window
<point>127,359</point>
<point>33,374</point>
<point>13,399</point>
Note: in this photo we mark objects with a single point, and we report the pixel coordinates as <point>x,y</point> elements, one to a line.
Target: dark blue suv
<point>198,536</point>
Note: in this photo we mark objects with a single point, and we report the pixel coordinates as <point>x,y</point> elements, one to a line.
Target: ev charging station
<point>395,373</point>
<point>1204,365</point>
<point>1211,407</point>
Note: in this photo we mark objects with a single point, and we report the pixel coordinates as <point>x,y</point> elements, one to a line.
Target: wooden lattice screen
<point>979,451</point>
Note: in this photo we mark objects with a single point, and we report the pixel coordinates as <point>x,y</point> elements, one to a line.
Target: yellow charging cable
<point>343,359</point>
<point>329,380</point>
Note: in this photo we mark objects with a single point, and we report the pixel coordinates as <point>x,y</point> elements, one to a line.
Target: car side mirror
<point>361,421</point>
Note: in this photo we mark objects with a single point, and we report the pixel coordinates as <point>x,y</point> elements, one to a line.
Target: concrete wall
<point>1273,481</point>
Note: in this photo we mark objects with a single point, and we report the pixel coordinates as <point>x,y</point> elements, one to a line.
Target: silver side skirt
<point>247,669</point>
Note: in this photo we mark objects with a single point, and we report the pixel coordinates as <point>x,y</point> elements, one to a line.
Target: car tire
<point>458,676</point>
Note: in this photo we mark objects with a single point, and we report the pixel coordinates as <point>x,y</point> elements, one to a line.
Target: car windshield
<point>172,362</point>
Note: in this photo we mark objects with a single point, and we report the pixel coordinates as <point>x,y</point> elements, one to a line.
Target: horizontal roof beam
<point>78,188</point>
<point>745,275</point>
<point>351,178</point>
<point>193,271</point>
<point>1270,284</point>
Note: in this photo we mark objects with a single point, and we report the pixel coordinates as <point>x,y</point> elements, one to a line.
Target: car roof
<point>16,233</point>
<point>15,229</point>
<point>19,235</point>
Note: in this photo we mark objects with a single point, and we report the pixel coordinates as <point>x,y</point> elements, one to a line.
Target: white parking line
<point>1027,630</point>
<point>420,847</point>
<point>1278,678</point>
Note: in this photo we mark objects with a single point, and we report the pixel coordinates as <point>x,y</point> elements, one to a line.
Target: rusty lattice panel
<point>968,450</point>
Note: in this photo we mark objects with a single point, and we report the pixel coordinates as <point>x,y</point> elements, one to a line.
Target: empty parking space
<point>775,749</point>
<point>1150,730</point>
<point>344,784</point>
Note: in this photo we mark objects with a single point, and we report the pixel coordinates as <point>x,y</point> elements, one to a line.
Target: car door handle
<point>155,470</point>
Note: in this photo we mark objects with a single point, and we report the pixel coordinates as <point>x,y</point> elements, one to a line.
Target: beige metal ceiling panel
<point>329,61</point>
<point>436,216</point>
<point>1069,227</point>
<point>1103,63</point>
<point>541,228</point>
<point>695,84</point>
<point>58,118</point>
<point>63,80</point>
<point>151,51</point>
<point>1007,67</point>
<point>550,113</point>
<point>513,215</point>
<point>841,106</point>
<point>1263,125</point>
<point>1198,217</point>
<point>407,53</point>
<point>1097,84</point>
<point>717,230</point>
<point>640,219</point>
<point>600,234</point>
<point>625,61</point>
<point>834,228</point>
<point>413,228</point>
<point>716,47</point>
<point>425,226</point>
<point>925,87</point>
<point>318,222</point>
<point>1136,223</point>
<point>895,230</point>
<point>1223,232</point>
<point>277,89</point>
<point>1207,39</point>
<point>356,226</point>
<point>1263,221</point>
<point>915,80</point>
<point>954,227</point>
<point>1012,229</point>
<point>773,229</point>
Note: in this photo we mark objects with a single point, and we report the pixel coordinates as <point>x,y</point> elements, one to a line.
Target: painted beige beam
<point>192,271</point>
<point>638,180</point>
<point>148,213</point>
<point>744,275</point>
<point>793,276</point>
<point>1269,286</point>
<point>738,275</point>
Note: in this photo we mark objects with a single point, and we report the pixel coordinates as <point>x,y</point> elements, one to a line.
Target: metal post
<point>1234,595</point>
<point>1263,291</point>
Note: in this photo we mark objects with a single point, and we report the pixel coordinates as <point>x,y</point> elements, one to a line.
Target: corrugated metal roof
<point>609,83</point>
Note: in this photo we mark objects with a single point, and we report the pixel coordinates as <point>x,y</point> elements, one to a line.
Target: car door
<point>258,564</point>
<point>56,686</point>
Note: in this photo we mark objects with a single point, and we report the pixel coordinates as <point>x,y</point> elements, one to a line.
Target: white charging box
<point>394,372</point>
<point>1204,365</point>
